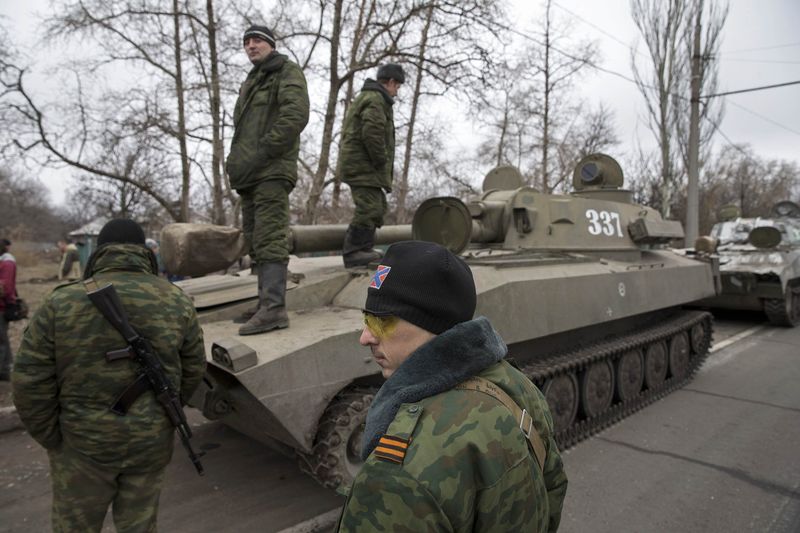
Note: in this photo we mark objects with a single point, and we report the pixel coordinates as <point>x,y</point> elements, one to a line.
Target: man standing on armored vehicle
<point>79,389</point>
<point>456,439</point>
<point>270,113</point>
<point>366,161</point>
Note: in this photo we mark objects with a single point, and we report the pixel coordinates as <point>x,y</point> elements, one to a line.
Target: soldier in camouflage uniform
<point>442,454</point>
<point>366,161</point>
<point>271,112</point>
<point>64,387</point>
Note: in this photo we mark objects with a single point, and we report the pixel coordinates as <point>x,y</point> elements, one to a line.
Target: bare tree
<point>169,50</point>
<point>668,31</point>
<point>661,25</point>
<point>712,110</point>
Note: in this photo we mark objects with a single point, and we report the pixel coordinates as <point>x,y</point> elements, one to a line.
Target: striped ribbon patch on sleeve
<point>391,449</point>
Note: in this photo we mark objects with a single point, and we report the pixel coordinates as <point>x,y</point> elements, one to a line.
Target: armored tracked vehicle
<point>760,264</point>
<point>582,287</point>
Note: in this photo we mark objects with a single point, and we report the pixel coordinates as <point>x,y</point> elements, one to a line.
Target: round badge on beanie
<point>422,283</point>
<point>121,231</point>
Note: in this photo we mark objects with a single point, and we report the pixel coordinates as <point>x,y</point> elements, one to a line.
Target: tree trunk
<point>184,152</point>
<point>546,114</point>
<point>217,149</point>
<point>318,181</point>
<point>402,189</point>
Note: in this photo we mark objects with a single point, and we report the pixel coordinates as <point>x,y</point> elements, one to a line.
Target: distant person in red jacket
<point>8,296</point>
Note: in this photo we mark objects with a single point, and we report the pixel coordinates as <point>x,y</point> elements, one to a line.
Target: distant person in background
<point>70,266</point>
<point>152,244</point>
<point>8,296</point>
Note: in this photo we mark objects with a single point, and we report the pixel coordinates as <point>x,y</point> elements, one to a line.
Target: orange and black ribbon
<point>391,449</point>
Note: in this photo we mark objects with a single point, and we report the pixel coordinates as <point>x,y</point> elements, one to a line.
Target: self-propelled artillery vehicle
<point>582,287</point>
<point>760,263</point>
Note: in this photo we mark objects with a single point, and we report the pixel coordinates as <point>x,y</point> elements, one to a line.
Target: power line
<point>598,28</point>
<point>752,89</point>
<point>761,48</point>
<point>761,61</point>
<point>762,117</point>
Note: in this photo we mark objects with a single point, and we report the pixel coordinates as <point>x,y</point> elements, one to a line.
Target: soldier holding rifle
<point>103,403</point>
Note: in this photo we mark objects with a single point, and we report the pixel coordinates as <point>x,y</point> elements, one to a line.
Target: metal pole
<point>693,193</point>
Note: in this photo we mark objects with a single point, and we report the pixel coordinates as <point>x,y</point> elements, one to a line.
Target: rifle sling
<point>130,394</point>
<point>524,419</point>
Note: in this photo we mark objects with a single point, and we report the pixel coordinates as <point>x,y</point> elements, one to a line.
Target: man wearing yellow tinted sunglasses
<point>456,439</point>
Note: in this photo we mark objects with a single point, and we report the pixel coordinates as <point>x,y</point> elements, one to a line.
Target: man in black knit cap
<point>456,439</point>
<point>366,161</point>
<point>65,386</point>
<point>270,113</point>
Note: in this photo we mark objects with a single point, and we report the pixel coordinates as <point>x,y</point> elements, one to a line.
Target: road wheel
<point>655,364</point>
<point>597,388</point>
<point>697,337</point>
<point>785,311</point>
<point>336,457</point>
<point>561,393</point>
<point>630,375</point>
<point>679,355</point>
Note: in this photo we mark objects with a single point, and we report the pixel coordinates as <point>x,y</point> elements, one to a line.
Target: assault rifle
<point>151,373</point>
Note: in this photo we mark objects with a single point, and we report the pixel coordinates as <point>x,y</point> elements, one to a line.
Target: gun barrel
<point>330,237</point>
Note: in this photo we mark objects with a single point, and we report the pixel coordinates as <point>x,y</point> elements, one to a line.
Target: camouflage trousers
<point>265,220</point>
<point>5,349</point>
<point>83,491</point>
<point>370,205</point>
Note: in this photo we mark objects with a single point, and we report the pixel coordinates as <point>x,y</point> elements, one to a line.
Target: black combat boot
<point>271,312</point>
<point>357,250</point>
<point>247,315</point>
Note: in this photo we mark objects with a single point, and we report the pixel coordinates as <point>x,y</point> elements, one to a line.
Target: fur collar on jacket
<point>435,367</point>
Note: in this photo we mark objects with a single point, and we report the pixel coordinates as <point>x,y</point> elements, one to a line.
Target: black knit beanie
<point>422,283</point>
<point>391,71</point>
<point>121,231</point>
<point>262,32</point>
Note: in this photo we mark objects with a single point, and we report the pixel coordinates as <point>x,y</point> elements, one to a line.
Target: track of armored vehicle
<point>582,287</point>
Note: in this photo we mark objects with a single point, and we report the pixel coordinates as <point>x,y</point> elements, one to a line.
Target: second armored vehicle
<point>582,287</point>
<point>760,264</point>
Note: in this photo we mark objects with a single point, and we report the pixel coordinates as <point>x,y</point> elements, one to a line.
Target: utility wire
<point>761,61</point>
<point>762,117</point>
<point>760,48</point>
<point>598,28</point>
<point>752,89</point>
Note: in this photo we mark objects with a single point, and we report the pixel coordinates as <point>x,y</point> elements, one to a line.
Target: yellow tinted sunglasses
<point>380,326</point>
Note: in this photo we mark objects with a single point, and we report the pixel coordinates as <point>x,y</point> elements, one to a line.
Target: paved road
<point>719,455</point>
<point>715,456</point>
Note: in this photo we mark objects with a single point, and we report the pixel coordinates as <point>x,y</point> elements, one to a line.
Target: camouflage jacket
<point>270,113</point>
<point>466,466</point>
<point>63,386</point>
<point>366,155</point>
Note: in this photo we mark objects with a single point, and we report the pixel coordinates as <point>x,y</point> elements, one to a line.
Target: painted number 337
<point>604,222</point>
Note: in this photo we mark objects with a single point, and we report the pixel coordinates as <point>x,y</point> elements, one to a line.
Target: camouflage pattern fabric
<point>265,221</point>
<point>366,154</point>
<point>83,490</point>
<point>270,113</point>
<point>457,460</point>
<point>63,386</point>
<point>370,206</point>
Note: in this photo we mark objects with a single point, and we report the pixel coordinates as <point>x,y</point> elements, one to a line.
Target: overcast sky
<point>760,46</point>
